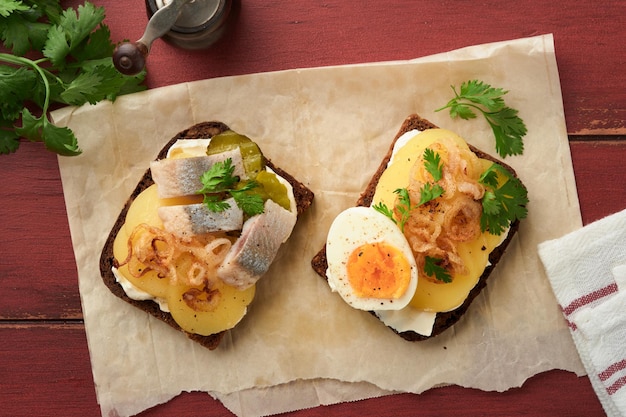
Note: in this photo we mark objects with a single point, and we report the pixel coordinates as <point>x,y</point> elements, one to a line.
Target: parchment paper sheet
<point>300,345</point>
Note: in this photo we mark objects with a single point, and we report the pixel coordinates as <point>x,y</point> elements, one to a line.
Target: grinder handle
<point>130,58</point>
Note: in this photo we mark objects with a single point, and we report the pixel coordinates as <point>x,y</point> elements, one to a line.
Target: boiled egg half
<point>370,263</point>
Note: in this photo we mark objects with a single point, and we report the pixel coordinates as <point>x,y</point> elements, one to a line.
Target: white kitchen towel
<point>587,271</point>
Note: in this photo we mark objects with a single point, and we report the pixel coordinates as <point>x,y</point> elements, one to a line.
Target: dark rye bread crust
<point>303,196</point>
<point>445,320</point>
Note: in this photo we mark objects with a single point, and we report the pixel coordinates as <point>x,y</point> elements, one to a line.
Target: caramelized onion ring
<point>462,219</point>
<point>191,262</point>
<point>204,299</point>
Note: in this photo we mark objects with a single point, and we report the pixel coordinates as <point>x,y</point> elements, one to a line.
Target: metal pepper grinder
<point>189,24</point>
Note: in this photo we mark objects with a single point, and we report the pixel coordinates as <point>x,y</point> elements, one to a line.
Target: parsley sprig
<point>69,63</point>
<point>433,164</point>
<point>433,268</point>
<point>220,180</point>
<point>403,206</point>
<point>502,204</point>
<point>428,192</point>
<point>507,126</point>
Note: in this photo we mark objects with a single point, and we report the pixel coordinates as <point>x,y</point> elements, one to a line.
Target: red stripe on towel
<point>616,367</point>
<point>589,298</point>
<point>616,386</point>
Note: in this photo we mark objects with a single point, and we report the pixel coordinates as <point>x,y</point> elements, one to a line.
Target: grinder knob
<point>189,24</point>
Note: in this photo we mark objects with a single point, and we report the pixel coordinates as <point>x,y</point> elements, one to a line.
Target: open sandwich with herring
<point>426,233</point>
<point>202,226</point>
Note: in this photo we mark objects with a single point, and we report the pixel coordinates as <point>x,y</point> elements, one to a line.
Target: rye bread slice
<point>444,320</point>
<point>303,196</point>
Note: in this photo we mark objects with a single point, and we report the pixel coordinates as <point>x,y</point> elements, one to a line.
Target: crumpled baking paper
<point>300,345</point>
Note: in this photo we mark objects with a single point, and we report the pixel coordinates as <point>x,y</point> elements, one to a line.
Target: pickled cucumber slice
<point>252,157</point>
<point>273,189</point>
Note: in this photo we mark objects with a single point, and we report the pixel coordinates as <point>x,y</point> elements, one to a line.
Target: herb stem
<point>25,62</point>
<point>12,59</point>
<point>468,104</point>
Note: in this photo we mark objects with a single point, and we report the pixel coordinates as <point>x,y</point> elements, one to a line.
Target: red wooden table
<point>44,361</point>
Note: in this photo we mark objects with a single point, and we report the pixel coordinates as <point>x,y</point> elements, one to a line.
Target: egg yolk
<point>378,270</point>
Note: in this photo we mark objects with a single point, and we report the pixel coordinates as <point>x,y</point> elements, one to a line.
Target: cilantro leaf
<point>504,201</point>
<point>491,205</point>
<point>58,139</point>
<point>481,93</point>
<point>16,84</point>
<point>215,204</point>
<point>92,84</point>
<point>462,111</point>
<point>489,178</point>
<point>250,203</point>
<point>403,206</point>
<point>433,268</point>
<point>69,62</point>
<point>82,89</point>
<point>429,192</point>
<point>56,47</point>
<point>97,46</point>
<point>433,164</point>
<point>72,30</point>
<point>9,6</point>
<point>50,8</point>
<point>383,209</point>
<point>219,180</point>
<point>9,141</point>
<point>19,29</point>
<point>508,128</point>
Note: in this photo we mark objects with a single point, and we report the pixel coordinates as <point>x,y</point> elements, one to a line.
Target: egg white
<point>352,228</point>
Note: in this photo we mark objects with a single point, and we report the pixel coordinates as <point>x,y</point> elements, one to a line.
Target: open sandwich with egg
<point>202,226</point>
<point>432,224</point>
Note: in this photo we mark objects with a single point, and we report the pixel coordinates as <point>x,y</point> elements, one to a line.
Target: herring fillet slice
<point>196,219</point>
<point>178,177</point>
<point>251,256</point>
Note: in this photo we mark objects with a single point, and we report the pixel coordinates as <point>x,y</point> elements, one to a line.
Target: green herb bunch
<point>220,182</point>
<point>477,96</point>
<point>57,57</point>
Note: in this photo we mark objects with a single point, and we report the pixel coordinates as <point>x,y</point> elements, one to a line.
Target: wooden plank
<point>45,371</point>
<point>299,33</point>
<point>588,41</point>
<point>600,177</point>
<point>38,276</point>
